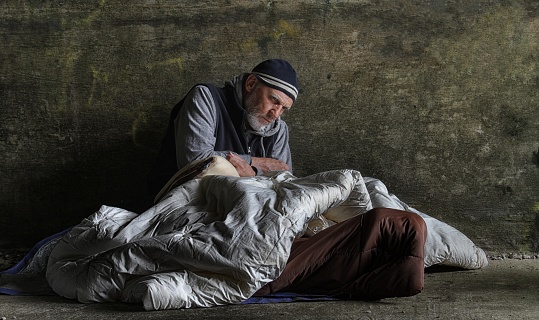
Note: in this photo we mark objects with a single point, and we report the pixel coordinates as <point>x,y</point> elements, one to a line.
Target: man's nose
<point>276,111</point>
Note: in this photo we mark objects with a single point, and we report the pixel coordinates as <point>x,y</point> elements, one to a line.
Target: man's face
<point>264,104</point>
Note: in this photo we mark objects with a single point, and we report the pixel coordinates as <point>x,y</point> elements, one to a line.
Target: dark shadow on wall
<point>535,234</point>
<point>535,158</point>
<point>42,204</point>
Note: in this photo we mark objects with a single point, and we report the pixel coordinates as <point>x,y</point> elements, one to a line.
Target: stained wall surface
<point>437,98</point>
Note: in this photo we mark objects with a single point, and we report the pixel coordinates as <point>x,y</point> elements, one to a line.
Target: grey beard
<point>255,124</point>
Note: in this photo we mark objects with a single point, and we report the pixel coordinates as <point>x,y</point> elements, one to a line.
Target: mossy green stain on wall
<point>496,54</point>
<point>98,77</point>
<point>94,15</point>
<point>177,62</point>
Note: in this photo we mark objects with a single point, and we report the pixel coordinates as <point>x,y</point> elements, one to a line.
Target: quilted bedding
<point>217,240</point>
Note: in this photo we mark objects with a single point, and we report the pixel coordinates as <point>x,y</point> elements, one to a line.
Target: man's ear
<point>250,83</point>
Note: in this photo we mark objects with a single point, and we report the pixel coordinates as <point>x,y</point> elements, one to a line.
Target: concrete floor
<point>507,289</point>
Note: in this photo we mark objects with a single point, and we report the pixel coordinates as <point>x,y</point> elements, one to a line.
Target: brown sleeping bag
<point>372,256</point>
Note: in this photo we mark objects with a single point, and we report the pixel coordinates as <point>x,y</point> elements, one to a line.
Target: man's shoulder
<point>203,87</point>
<point>201,91</point>
<point>207,89</point>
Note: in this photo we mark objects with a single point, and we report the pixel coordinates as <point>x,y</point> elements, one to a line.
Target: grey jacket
<point>197,133</point>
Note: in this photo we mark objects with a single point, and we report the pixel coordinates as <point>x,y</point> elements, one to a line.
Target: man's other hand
<point>269,164</point>
<point>243,168</point>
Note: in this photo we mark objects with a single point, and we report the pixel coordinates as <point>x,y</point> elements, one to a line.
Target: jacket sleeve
<point>195,127</point>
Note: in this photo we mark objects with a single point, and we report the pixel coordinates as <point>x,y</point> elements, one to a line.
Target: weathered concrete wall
<point>438,98</point>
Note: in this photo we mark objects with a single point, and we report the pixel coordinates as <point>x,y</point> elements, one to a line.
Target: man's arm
<point>265,164</point>
<point>195,127</point>
<point>269,164</point>
<point>280,159</point>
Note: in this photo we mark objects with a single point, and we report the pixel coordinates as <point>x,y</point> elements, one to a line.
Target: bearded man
<point>370,256</point>
<point>240,122</point>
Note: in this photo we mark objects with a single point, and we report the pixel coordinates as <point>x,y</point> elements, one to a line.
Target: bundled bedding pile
<point>216,240</point>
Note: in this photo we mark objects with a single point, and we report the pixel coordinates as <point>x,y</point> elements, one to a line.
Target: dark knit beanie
<point>278,74</point>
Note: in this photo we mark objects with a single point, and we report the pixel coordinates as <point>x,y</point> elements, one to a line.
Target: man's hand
<point>243,168</point>
<point>269,164</point>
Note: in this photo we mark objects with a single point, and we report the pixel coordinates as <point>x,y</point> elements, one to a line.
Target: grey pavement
<point>507,289</point>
